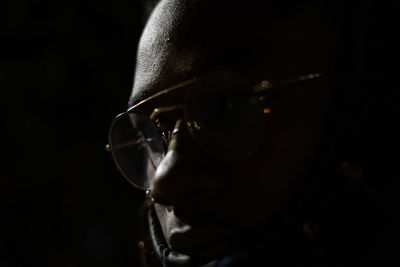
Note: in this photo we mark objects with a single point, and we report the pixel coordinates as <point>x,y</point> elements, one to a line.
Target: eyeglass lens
<point>136,147</point>
<point>225,118</point>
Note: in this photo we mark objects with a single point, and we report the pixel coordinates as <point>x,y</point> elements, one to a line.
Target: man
<point>231,109</point>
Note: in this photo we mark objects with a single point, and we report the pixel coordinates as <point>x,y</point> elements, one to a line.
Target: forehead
<point>185,38</point>
<point>167,54</point>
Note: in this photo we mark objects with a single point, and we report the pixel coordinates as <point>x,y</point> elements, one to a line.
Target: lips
<point>197,228</point>
<point>207,242</point>
<point>194,232</point>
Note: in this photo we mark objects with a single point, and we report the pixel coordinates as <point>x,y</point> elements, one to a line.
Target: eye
<point>238,101</point>
<point>243,101</point>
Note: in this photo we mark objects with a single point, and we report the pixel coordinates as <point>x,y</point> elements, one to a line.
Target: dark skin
<point>215,205</point>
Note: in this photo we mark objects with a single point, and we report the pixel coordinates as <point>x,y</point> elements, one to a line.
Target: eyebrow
<point>142,95</point>
<point>145,97</point>
<point>137,99</point>
<point>132,101</point>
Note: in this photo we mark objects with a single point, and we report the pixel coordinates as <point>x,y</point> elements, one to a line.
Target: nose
<point>186,176</point>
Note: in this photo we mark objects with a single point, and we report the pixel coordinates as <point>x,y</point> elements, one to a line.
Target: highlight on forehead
<point>198,46</point>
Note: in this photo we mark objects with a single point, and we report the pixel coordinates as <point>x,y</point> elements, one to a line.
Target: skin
<point>216,206</point>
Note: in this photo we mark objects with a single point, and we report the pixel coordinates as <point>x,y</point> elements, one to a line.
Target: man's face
<point>215,204</point>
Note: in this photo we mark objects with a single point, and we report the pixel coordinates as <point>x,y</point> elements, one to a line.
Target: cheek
<point>267,181</point>
<point>263,186</point>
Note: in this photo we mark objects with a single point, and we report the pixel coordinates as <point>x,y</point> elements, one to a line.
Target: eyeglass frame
<point>264,86</point>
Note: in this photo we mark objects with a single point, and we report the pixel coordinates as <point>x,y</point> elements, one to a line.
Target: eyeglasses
<point>224,113</point>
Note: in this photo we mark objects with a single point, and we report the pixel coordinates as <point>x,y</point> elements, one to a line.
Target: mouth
<point>198,232</point>
<point>207,242</point>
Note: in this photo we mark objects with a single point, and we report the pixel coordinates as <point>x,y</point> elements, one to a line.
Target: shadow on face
<point>216,203</point>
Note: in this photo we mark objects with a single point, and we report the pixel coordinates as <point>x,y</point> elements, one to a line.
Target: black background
<point>66,70</point>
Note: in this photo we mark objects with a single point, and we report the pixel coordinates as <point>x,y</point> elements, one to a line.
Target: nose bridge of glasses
<point>185,172</point>
<point>162,110</point>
